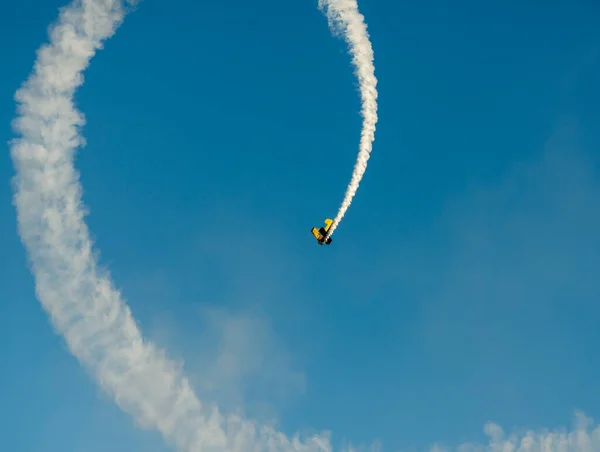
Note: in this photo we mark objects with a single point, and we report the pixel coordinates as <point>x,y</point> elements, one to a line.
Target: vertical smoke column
<point>344,18</point>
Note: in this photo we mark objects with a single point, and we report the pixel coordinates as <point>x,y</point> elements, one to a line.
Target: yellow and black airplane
<point>322,232</point>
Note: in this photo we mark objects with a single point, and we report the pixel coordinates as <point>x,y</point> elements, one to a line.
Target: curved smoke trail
<point>79,297</point>
<point>83,304</point>
<point>344,18</point>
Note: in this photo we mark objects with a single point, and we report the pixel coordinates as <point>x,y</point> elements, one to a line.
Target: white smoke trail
<point>80,298</point>
<point>83,304</point>
<point>344,18</point>
<point>583,437</point>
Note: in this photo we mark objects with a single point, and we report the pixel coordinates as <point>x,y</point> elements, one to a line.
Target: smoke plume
<point>344,18</point>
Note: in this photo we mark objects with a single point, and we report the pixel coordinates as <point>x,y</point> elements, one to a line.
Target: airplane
<point>322,232</point>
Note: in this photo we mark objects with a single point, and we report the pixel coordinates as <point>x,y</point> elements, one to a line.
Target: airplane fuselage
<point>320,233</point>
<point>323,233</point>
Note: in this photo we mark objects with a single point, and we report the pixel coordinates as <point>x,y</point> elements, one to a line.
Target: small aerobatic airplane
<point>322,232</point>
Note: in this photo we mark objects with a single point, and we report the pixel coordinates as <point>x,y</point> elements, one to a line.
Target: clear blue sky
<point>460,288</point>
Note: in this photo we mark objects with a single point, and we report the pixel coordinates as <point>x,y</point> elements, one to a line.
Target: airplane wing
<point>316,233</point>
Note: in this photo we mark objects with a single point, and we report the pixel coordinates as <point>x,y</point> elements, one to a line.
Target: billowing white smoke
<point>79,297</point>
<point>344,18</point>
<point>585,437</point>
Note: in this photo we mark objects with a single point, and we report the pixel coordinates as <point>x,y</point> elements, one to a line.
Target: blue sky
<point>459,288</point>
